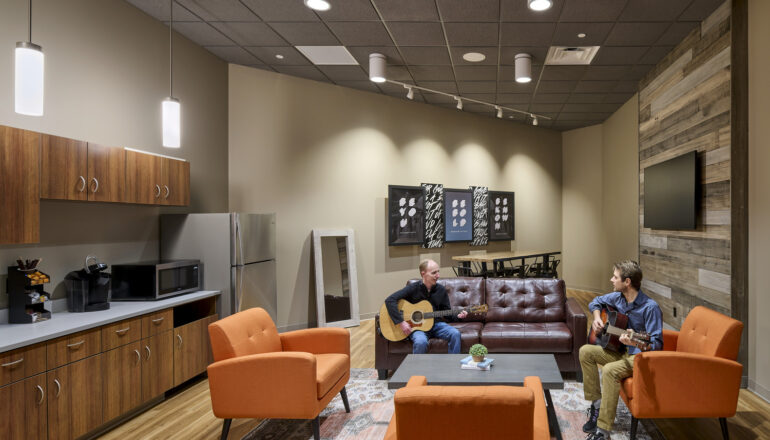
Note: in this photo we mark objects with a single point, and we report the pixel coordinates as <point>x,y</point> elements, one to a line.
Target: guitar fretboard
<point>441,313</point>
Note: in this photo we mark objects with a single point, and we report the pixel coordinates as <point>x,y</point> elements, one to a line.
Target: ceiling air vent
<point>571,55</point>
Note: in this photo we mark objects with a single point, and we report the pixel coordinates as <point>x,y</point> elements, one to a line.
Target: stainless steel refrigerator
<point>237,251</point>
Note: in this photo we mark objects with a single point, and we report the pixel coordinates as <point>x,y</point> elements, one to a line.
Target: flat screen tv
<point>670,193</point>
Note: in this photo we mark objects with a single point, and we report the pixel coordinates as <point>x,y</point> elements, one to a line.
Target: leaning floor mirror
<point>336,280</point>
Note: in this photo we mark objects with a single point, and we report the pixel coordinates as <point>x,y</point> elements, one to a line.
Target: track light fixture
<point>409,93</point>
<point>523,67</point>
<point>534,119</point>
<point>499,112</point>
<point>29,75</point>
<point>459,103</point>
<point>377,67</point>
<point>539,5</point>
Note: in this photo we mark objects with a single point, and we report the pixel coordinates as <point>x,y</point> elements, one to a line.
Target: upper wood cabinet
<point>156,180</point>
<point>76,170</point>
<point>19,186</point>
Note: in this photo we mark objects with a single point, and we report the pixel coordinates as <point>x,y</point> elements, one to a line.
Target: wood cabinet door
<point>157,365</point>
<point>122,380</point>
<point>63,168</point>
<point>176,182</point>
<point>21,363</point>
<point>23,407</point>
<point>106,173</point>
<point>143,178</point>
<point>187,352</point>
<point>75,398</point>
<point>19,186</point>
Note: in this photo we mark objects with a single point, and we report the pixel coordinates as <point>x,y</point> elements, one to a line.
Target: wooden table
<point>498,258</point>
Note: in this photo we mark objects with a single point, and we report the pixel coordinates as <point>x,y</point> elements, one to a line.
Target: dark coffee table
<point>507,369</point>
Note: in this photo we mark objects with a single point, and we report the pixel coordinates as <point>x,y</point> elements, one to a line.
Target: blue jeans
<point>440,330</point>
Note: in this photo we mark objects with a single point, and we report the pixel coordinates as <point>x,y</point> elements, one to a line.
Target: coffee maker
<point>88,289</point>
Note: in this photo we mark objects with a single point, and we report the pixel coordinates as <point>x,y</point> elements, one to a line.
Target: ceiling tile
<point>202,34</point>
<point>309,72</point>
<point>486,97</point>
<point>477,86</point>
<point>489,52</point>
<point>637,72</point>
<point>517,10</point>
<point>471,34</point>
<point>360,85</point>
<point>617,98</point>
<point>556,86</point>
<point>601,108</point>
<point>469,10</point>
<point>249,34</point>
<point>344,73</point>
<point>432,73</point>
<point>563,73</point>
<point>676,33</point>
<point>700,9</point>
<point>412,33</point>
<point>397,73</point>
<point>626,86</point>
<point>655,54</point>
<point>281,10</point>
<point>513,98</point>
<point>551,98</point>
<point>407,10</point>
<point>160,10</point>
<point>635,34</point>
<point>306,34</point>
<point>441,86</point>
<point>235,55</point>
<point>473,107</point>
<point>567,34</point>
<point>219,10</point>
<point>507,54</point>
<point>619,55</point>
<point>653,10</point>
<point>361,33</point>
<point>592,10</point>
<point>476,73</point>
<point>425,56</point>
<point>538,108</point>
<point>526,34</point>
<point>594,86</point>
<point>582,116</point>
<point>507,73</point>
<point>435,98</point>
<point>507,85</point>
<point>603,73</point>
<point>361,54</point>
<point>291,56</point>
<point>581,98</point>
<point>354,10</point>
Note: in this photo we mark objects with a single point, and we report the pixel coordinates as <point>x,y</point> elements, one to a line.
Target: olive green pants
<point>616,367</point>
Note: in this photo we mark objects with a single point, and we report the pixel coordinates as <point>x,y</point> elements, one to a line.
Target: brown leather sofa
<point>526,315</point>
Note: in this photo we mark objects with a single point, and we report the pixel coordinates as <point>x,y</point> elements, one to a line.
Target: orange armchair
<point>463,412</point>
<point>695,375</point>
<point>259,373</point>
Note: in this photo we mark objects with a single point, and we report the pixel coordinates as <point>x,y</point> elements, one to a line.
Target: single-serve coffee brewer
<point>88,289</point>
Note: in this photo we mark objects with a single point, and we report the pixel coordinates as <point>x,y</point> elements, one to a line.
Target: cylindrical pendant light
<point>539,5</point>
<point>29,75</point>
<point>377,67</point>
<point>172,111</point>
<point>523,67</point>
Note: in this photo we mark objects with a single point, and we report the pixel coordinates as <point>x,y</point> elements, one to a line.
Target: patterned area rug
<point>371,407</point>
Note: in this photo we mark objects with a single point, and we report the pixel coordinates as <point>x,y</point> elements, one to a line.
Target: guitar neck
<point>441,313</point>
<point>617,331</point>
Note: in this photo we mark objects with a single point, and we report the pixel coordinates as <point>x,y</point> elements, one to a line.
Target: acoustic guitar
<point>616,325</point>
<point>419,316</point>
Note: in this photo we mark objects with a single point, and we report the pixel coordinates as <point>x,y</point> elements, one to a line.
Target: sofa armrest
<point>577,323</point>
<point>317,340</point>
<point>540,419</point>
<point>381,346</point>
<point>674,384</point>
<point>670,338</point>
<point>240,387</point>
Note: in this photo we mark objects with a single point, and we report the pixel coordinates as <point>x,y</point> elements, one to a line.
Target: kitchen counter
<point>63,323</point>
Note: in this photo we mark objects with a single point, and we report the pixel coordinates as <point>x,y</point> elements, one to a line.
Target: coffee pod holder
<point>26,297</point>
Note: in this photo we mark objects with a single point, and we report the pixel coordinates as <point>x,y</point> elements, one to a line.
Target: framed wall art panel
<point>501,209</point>
<point>434,215</point>
<point>458,215</point>
<point>406,215</point>
<point>480,211</point>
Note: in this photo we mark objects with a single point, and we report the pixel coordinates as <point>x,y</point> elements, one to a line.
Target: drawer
<point>73,347</point>
<point>121,333</point>
<point>21,363</point>
<point>157,322</point>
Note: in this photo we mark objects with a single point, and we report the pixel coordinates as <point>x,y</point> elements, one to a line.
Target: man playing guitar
<point>436,294</point>
<point>644,315</point>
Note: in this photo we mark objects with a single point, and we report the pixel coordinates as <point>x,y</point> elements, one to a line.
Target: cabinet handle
<point>122,331</point>
<point>180,340</point>
<point>76,344</point>
<point>138,356</point>
<point>10,364</point>
<point>168,191</point>
<point>157,191</point>
<point>149,353</point>
<point>158,320</point>
<point>96,185</point>
<point>42,394</point>
<point>58,387</point>
<point>82,184</point>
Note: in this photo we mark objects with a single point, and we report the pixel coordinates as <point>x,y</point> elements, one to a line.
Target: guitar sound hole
<point>417,317</point>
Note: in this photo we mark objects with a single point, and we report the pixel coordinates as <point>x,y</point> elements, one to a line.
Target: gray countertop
<point>63,323</point>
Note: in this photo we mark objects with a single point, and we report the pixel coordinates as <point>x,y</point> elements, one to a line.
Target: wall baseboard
<point>759,390</point>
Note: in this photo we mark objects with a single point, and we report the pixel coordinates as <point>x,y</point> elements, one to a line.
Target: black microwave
<point>152,280</point>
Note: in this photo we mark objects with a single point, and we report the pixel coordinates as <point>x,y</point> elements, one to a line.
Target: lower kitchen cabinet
<point>75,398</point>
<point>192,349</point>
<point>122,380</point>
<point>157,365</point>
<point>26,402</point>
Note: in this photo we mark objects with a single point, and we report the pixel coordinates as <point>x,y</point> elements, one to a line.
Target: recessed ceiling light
<point>539,5</point>
<point>279,56</point>
<point>318,5</point>
<point>474,57</point>
<point>581,35</point>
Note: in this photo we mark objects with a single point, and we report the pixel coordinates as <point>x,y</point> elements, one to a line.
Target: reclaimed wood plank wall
<point>684,105</point>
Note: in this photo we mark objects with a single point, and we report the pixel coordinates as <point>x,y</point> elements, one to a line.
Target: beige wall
<point>600,200</point>
<point>759,205</point>
<point>321,156</point>
<point>106,74</point>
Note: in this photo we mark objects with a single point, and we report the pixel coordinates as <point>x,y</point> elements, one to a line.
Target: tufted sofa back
<point>248,332</point>
<point>463,291</point>
<point>525,300</point>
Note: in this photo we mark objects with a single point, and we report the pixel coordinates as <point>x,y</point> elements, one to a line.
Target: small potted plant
<point>478,352</point>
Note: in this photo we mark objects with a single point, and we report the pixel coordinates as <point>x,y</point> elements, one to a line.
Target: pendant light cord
<point>170,52</point>
<point>29,29</point>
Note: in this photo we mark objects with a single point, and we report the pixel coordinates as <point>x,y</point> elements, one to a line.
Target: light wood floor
<point>187,415</point>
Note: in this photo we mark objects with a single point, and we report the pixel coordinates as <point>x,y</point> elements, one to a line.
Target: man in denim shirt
<point>644,315</point>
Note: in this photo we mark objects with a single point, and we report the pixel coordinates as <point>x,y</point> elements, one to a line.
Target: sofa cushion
<point>469,335</point>
<point>527,337</point>
<point>525,300</point>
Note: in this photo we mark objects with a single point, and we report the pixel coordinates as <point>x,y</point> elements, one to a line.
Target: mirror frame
<point>355,318</point>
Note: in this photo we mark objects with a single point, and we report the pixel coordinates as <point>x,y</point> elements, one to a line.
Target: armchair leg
<point>382,373</point>
<point>344,395</point>
<point>634,424</point>
<point>226,428</point>
<point>723,424</point>
<point>317,427</point>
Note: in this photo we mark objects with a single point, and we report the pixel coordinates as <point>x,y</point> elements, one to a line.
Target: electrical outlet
<point>674,312</point>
